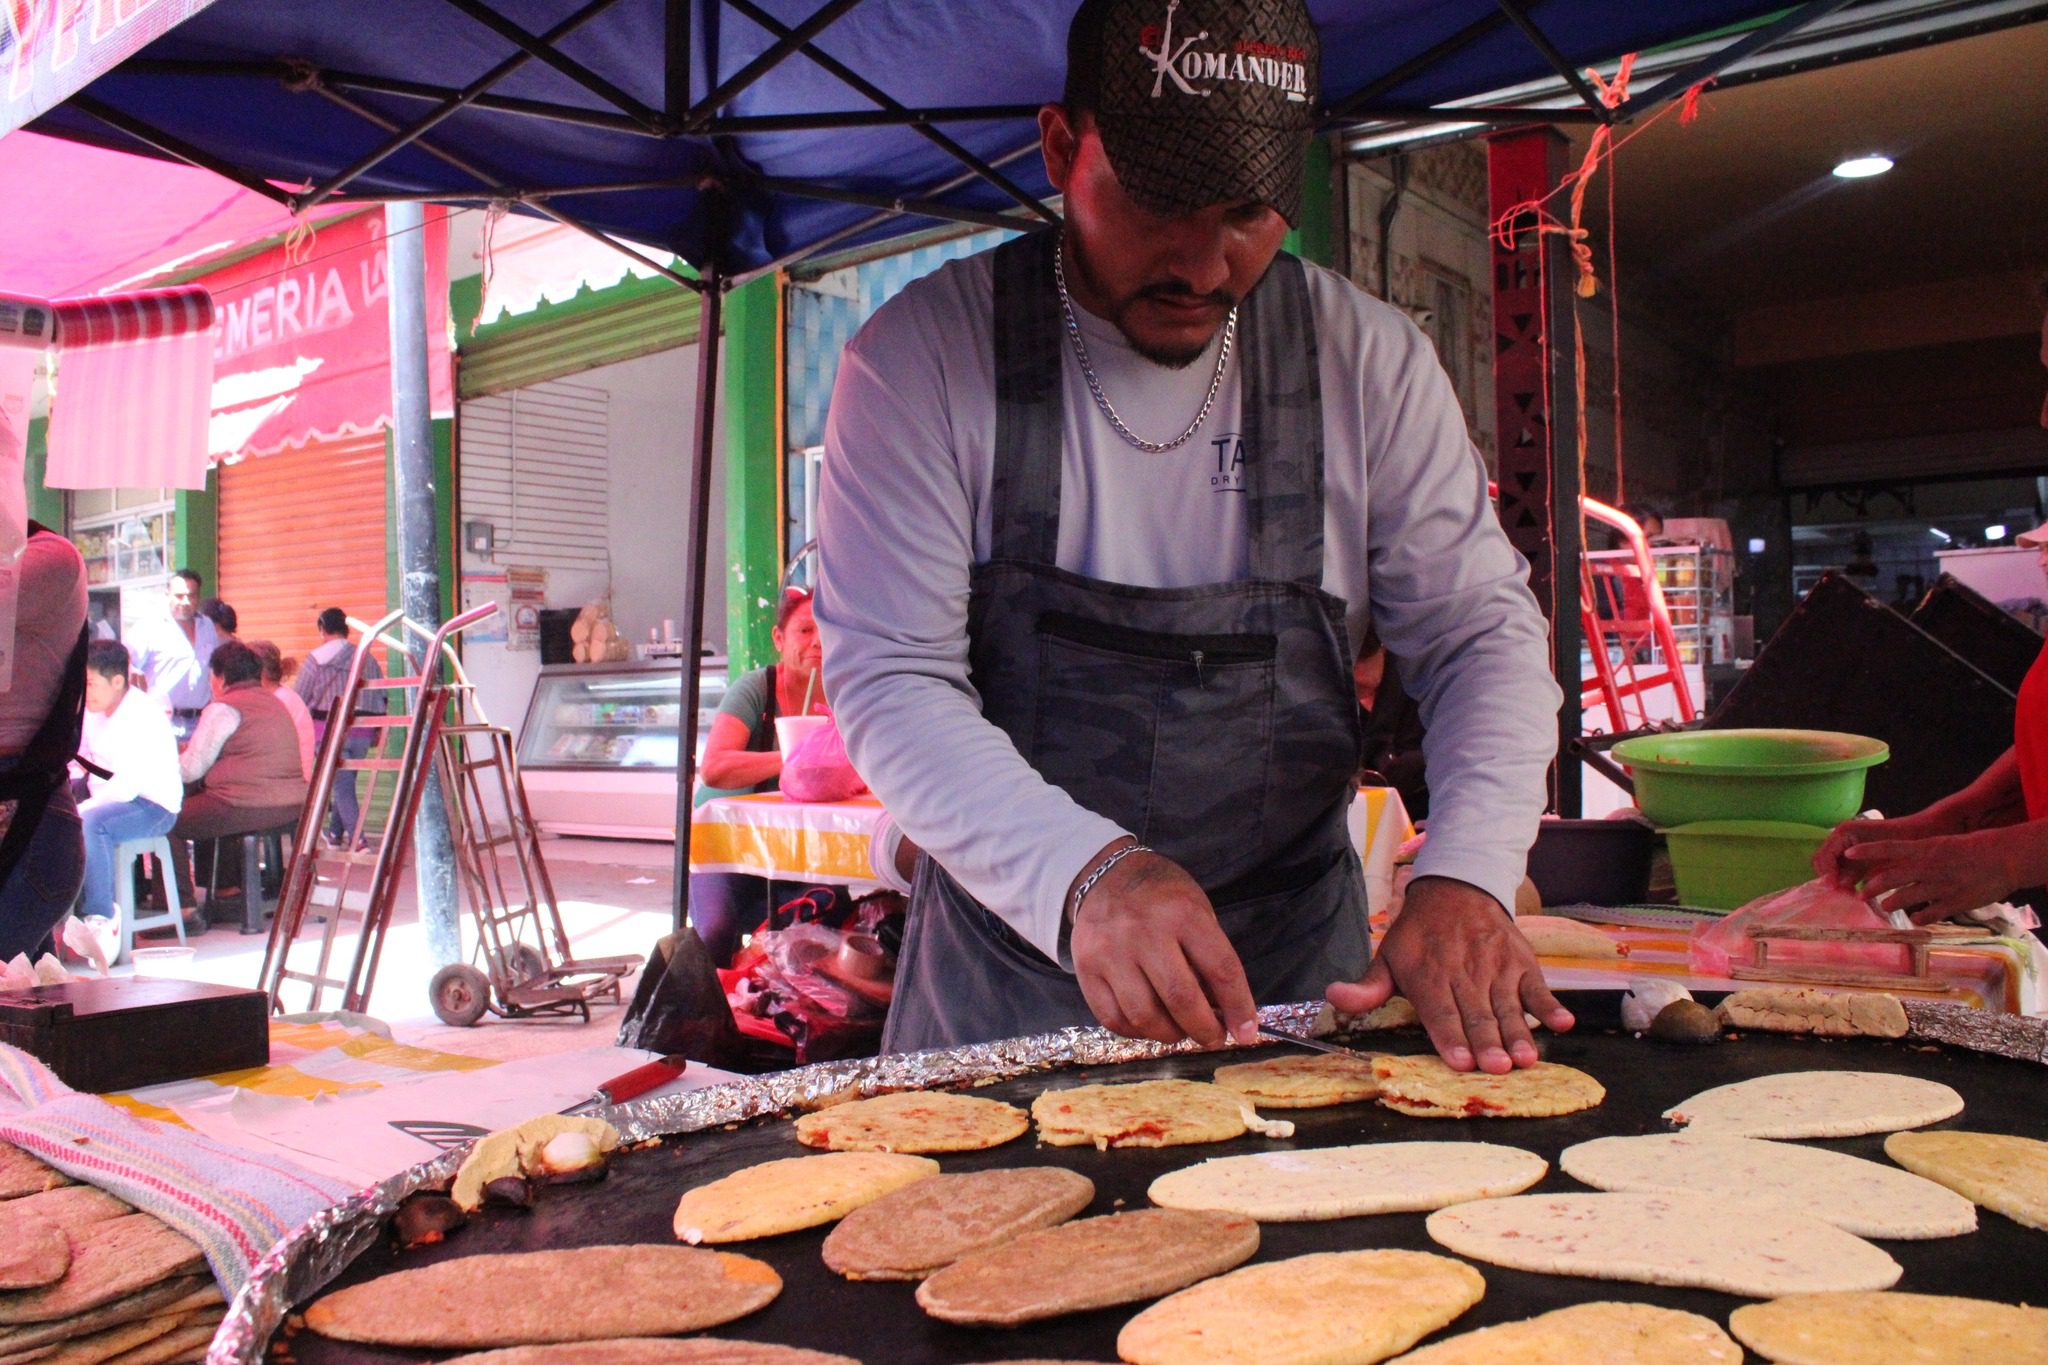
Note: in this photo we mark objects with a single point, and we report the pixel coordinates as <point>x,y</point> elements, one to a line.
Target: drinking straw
<point>808,688</point>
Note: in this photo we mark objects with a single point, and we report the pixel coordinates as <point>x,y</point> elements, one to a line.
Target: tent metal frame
<point>680,118</point>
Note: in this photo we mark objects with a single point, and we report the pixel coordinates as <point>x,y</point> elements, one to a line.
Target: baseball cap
<point>2033,539</point>
<point>1199,102</point>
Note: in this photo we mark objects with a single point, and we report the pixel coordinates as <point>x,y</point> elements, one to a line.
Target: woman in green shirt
<point>741,756</point>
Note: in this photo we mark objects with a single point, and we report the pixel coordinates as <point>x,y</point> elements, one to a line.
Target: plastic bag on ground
<point>1815,905</point>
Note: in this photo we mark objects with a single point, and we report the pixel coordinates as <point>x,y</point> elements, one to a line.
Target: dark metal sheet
<point>880,1321</point>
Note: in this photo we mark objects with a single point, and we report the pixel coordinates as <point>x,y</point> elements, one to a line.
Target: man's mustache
<point>1172,291</point>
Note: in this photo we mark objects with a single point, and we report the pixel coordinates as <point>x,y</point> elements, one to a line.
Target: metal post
<point>419,559</point>
<point>703,433</point>
<point>1539,473</point>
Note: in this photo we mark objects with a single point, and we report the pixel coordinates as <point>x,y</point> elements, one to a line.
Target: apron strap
<point>1281,393</point>
<point>1025,489</point>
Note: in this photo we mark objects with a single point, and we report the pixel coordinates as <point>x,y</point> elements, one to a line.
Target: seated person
<point>133,740</point>
<point>241,766</point>
<point>741,756</point>
<point>272,660</point>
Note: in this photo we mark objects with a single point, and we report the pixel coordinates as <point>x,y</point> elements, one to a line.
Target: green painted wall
<point>45,504</point>
<point>752,400</point>
<point>195,530</point>
<point>1312,240</point>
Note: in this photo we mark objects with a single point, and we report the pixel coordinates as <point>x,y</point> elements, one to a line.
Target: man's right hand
<point>1152,960</point>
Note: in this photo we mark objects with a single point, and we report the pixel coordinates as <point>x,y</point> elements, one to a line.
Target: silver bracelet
<point>1102,870</point>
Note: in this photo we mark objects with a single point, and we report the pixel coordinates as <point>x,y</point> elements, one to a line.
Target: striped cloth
<point>134,395</point>
<point>236,1204</point>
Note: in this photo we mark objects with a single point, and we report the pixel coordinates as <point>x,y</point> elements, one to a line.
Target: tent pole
<point>419,557</point>
<point>703,432</point>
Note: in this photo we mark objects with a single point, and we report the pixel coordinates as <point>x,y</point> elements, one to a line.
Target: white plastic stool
<point>173,914</point>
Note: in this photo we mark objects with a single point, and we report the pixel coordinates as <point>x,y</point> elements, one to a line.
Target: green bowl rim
<point>1877,753</point>
<point>1787,830</point>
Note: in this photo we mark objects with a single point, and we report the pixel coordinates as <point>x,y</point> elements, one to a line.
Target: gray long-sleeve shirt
<point>1411,543</point>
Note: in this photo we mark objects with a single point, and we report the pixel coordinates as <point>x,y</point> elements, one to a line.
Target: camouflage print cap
<point>1199,102</point>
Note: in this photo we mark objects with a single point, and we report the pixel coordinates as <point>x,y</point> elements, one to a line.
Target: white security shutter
<point>533,463</point>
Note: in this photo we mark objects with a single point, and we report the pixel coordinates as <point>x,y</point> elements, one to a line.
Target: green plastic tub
<point>1726,864</point>
<point>1806,777</point>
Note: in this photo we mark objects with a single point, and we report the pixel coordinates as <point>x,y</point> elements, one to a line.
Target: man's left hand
<point>1471,977</point>
<point>1934,879</point>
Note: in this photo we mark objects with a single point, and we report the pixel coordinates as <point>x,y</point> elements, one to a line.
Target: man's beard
<point>1170,357</point>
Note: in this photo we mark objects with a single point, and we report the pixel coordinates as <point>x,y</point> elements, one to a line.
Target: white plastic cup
<point>792,731</point>
<point>171,961</point>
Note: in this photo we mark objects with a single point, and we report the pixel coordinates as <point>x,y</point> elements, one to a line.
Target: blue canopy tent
<point>745,135</point>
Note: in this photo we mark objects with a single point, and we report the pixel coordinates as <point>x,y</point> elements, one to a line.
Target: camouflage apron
<point>1217,723</point>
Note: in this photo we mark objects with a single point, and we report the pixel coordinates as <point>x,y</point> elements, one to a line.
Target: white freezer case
<point>599,746</point>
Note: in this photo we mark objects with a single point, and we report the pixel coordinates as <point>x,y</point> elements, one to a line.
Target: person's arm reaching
<point>1450,600</point>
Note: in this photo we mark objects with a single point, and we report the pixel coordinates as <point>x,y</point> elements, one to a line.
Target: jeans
<point>726,905</point>
<point>341,815</point>
<point>39,892</point>
<point>106,826</point>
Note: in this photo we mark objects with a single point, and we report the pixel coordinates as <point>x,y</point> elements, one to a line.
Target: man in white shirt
<point>132,739</point>
<point>171,654</point>
<point>1102,512</point>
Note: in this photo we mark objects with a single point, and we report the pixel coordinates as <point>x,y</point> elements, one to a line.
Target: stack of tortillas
<point>1147,1114</point>
<point>655,1351</point>
<point>1332,1306</point>
<point>1695,1240</point>
<point>86,1279</point>
<point>1867,1198</point>
<point>1345,1182</point>
<point>536,1297</point>
<point>914,1121</point>
<point>1817,1104</point>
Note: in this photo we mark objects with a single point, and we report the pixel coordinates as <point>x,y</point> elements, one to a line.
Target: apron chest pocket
<point>1168,734</point>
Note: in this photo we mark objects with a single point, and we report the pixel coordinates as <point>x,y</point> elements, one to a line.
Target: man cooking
<point>1102,511</point>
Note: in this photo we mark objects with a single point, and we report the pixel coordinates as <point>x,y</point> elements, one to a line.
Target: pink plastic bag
<point>1815,905</point>
<point>819,769</point>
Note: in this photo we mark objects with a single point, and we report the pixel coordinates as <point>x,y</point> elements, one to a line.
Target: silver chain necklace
<point>1059,274</point>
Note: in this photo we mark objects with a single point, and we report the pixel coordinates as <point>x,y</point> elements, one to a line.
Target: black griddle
<point>880,1322</point>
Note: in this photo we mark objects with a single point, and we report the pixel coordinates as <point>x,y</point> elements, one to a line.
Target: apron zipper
<point>1199,682</point>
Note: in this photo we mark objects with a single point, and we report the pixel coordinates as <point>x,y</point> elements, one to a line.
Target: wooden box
<point>122,1033</point>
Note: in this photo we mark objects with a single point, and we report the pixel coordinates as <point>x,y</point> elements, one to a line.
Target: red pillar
<point>1532,380</point>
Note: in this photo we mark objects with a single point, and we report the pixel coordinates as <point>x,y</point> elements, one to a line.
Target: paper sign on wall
<point>527,589</point>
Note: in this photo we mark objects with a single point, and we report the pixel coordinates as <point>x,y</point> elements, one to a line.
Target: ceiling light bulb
<point>1863,167</point>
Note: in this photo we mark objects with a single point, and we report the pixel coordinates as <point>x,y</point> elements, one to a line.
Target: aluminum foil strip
<point>318,1251</point>
<point>2022,1037</point>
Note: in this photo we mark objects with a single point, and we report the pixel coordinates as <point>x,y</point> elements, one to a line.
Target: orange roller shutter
<point>299,531</point>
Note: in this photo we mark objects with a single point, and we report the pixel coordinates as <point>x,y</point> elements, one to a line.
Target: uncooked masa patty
<point>1345,1182</point>
<point>1427,1088</point>
<point>1330,1308</point>
<point>654,1351</point>
<point>1864,1197</point>
<point>1816,1104</point>
<point>1301,1080</point>
<point>1637,1333</point>
<point>1676,1239</point>
<point>791,1194</point>
<point>1145,1114</point>
<point>1892,1329</point>
<point>2005,1174</point>
<point>109,1260</point>
<point>913,1121</point>
<point>535,1297</point>
<point>22,1174</point>
<point>1089,1263</point>
<point>932,1223</point>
